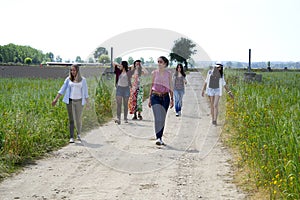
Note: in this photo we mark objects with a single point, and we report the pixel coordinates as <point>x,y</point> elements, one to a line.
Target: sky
<point>224,29</point>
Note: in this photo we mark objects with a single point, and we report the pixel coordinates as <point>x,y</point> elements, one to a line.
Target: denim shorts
<point>213,92</point>
<point>123,91</point>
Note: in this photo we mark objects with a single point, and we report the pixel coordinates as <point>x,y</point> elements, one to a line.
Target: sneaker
<point>134,117</point>
<point>177,114</point>
<point>140,117</point>
<point>71,140</point>
<point>126,121</point>
<point>118,121</point>
<point>214,123</point>
<point>78,137</point>
<point>159,142</point>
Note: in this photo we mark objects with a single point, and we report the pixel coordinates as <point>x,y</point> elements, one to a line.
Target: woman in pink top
<point>161,96</point>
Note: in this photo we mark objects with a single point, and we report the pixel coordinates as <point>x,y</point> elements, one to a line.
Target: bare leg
<point>212,99</point>
<point>216,107</point>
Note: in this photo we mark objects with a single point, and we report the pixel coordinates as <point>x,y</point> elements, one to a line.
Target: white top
<point>75,90</point>
<point>123,80</point>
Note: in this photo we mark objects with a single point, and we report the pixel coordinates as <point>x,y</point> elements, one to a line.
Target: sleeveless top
<point>161,82</point>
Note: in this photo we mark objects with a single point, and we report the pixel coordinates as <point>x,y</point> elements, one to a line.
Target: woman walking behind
<point>75,92</point>
<point>123,90</point>
<point>213,87</point>
<point>179,82</point>
<point>136,91</point>
<point>161,92</point>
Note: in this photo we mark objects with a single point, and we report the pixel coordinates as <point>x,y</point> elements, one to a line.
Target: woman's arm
<point>171,91</point>
<point>204,88</point>
<point>150,91</point>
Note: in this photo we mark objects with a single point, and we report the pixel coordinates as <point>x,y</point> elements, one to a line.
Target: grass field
<point>263,123</point>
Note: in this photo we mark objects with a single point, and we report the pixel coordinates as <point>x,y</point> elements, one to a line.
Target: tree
<point>50,57</point>
<point>27,61</point>
<point>58,58</point>
<point>182,50</point>
<point>99,51</point>
<point>78,59</point>
<point>130,60</point>
<point>118,60</point>
<point>151,60</point>
<point>104,59</point>
<point>142,60</point>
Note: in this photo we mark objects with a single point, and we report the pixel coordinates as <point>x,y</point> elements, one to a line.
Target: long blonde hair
<point>78,77</point>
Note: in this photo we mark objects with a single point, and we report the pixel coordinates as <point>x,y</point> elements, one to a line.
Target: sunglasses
<point>160,61</point>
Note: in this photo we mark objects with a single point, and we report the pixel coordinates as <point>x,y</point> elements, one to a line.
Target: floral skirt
<point>135,103</point>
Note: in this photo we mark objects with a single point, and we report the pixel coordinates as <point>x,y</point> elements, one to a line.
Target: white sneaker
<point>71,140</point>
<point>177,114</point>
<point>158,142</point>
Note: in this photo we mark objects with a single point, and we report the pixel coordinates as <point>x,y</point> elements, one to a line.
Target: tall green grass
<point>264,123</point>
<point>29,125</point>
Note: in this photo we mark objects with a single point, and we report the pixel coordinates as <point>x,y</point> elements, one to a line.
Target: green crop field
<point>29,125</point>
<point>263,123</point>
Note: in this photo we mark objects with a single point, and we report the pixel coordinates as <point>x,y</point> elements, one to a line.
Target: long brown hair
<point>78,77</point>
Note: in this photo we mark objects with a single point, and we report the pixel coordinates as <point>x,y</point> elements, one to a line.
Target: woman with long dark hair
<point>137,91</point>
<point>123,90</point>
<point>213,88</point>
<point>161,96</point>
<point>179,82</point>
<point>75,92</point>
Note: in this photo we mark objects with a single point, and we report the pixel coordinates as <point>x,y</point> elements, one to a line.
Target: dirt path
<point>123,162</point>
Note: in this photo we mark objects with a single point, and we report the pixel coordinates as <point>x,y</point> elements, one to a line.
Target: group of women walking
<point>164,88</point>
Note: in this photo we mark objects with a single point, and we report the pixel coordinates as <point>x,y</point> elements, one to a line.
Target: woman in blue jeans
<point>179,82</point>
<point>161,96</point>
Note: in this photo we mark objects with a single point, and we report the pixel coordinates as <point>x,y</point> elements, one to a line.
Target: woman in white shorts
<point>213,88</point>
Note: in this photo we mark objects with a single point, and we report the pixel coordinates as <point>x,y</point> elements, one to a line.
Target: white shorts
<point>213,92</point>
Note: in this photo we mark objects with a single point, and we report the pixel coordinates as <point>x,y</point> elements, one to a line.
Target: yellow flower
<point>275,192</point>
<point>275,182</point>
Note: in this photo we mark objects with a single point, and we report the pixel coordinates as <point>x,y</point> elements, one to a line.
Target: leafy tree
<point>50,57</point>
<point>142,60</point>
<point>58,58</point>
<point>78,59</point>
<point>130,60</point>
<point>151,60</point>
<point>27,61</point>
<point>118,60</point>
<point>91,60</point>
<point>104,59</point>
<point>99,51</point>
<point>182,50</point>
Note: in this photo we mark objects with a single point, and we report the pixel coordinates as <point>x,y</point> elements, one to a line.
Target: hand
<point>171,103</point>
<point>203,93</point>
<point>231,95</point>
<point>149,103</point>
<point>54,102</point>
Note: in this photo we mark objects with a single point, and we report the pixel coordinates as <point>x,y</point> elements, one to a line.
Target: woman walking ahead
<point>137,91</point>
<point>161,92</point>
<point>75,92</point>
<point>179,82</point>
<point>123,90</point>
<point>213,87</point>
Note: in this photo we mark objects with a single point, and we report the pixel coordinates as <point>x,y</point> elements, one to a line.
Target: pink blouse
<point>161,82</point>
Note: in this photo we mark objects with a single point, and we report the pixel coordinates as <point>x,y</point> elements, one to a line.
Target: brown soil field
<point>46,71</point>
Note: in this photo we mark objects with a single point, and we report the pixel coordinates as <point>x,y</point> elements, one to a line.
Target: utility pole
<point>111,59</point>
<point>249,65</point>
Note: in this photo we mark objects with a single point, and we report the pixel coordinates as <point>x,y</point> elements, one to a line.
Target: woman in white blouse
<point>213,88</point>
<point>75,92</point>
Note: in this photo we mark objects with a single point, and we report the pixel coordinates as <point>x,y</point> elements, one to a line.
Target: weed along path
<point>123,162</point>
